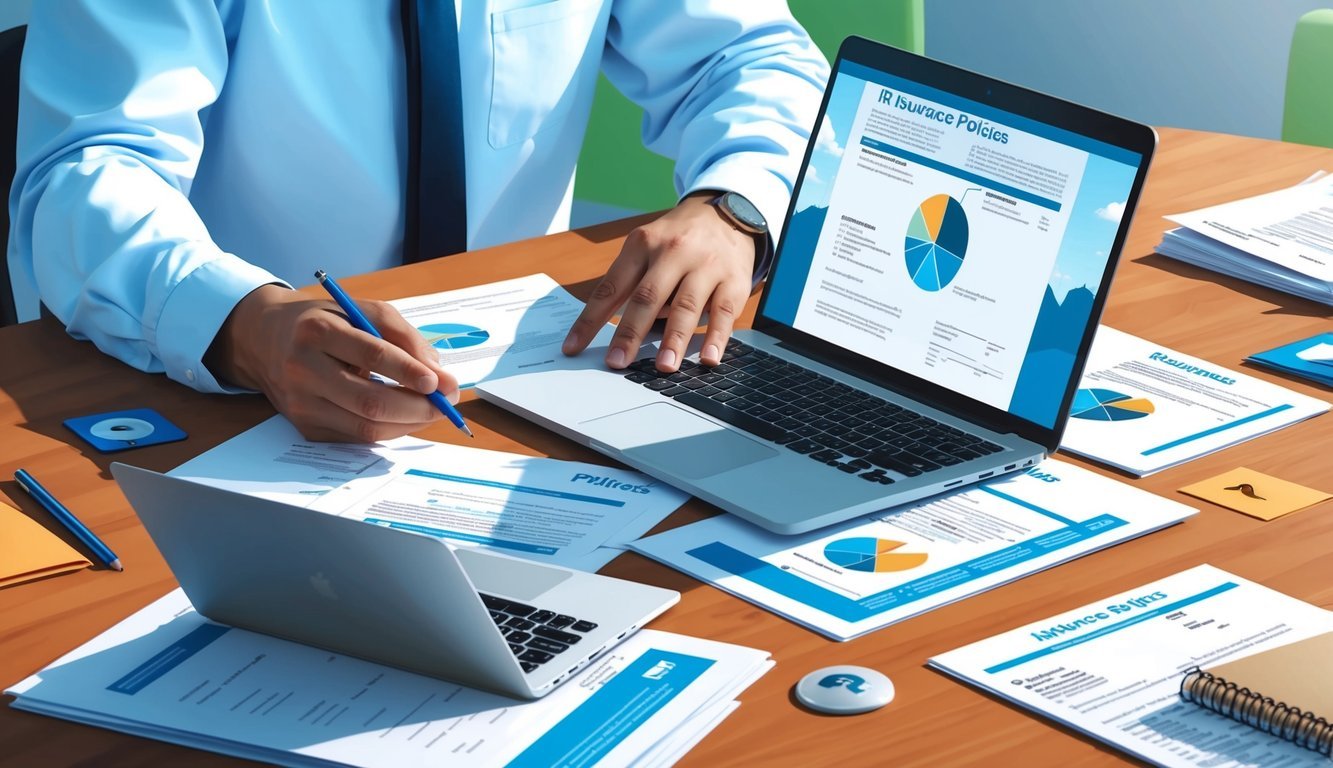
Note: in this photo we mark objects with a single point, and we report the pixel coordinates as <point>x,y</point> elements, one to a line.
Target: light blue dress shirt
<point>173,155</point>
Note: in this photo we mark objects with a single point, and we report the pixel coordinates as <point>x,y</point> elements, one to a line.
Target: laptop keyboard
<point>812,414</point>
<point>534,635</point>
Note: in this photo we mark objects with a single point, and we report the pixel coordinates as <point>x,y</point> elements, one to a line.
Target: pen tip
<point>467,431</point>
<point>116,566</point>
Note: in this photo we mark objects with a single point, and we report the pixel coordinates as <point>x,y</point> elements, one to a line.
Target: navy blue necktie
<point>436,209</point>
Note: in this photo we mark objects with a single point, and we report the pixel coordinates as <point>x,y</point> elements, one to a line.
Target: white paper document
<point>561,512</point>
<point>167,673</point>
<point>1283,239</point>
<point>1319,353</point>
<point>1112,669</point>
<point>1142,407</point>
<point>857,577</point>
<point>498,329</point>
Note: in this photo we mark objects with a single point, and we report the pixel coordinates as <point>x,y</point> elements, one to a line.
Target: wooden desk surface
<point>46,377</point>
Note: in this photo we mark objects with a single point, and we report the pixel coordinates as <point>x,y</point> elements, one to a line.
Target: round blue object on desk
<point>844,690</point>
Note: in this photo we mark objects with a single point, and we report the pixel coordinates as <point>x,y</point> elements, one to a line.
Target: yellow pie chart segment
<point>872,555</point>
<point>1138,404</point>
<point>932,211</point>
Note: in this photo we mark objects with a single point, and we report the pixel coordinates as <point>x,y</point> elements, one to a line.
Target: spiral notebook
<point>1111,669</point>
<point>1285,691</point>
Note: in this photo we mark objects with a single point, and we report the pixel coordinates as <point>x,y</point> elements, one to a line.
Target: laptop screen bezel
<point>1033,105</point>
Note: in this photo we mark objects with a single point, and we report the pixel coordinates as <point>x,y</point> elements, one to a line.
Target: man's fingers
<point>682,320</point>
<point>374,401</point>
<point>326,421</point>
<point>361,350</point>
<point>609,295</point>
<point>397,331</point>
<point>641,312</point>
<point>728,301</point>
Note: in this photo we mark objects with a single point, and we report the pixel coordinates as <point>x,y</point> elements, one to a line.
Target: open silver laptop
<point>470,616</point>
<point>941,273</point>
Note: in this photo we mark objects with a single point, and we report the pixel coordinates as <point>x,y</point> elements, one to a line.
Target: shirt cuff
<point>194,313</point>
<point>769,193</point>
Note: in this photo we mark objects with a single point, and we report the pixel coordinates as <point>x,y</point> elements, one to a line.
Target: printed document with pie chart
<point>1142,407</point>
<point>860,576</point>
<point>497,329</point>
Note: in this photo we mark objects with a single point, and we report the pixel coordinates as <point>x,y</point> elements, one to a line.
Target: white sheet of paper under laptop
<point>167,673</point>
<point>498,329</point>
<point>567,513</point>
<point>849,579</point>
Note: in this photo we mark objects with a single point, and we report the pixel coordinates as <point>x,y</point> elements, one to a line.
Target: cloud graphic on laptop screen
<point>827,141</point>
<point>1112,211</point>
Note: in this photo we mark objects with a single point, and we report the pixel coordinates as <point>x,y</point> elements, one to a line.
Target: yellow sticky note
<point>29,551</point>
<point>1255,494</point>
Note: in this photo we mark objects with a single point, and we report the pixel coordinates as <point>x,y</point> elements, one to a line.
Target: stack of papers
<point>1142,407</point>
<point>564,513</point>
<point>1282,240</point>
<point>167,673</point>
<point>1113,669</point>
<point>857,577</point>
<point>1310,358</point>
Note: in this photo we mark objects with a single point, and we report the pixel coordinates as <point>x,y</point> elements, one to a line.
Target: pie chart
<point>871,555</point>
<point>936,242</point>
<point>453,335</point>
<point>1109,405</point>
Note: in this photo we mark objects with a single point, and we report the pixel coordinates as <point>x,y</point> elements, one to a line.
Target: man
<point>182,162</point>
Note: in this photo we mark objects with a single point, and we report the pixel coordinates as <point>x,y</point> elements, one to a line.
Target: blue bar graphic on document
<point>168,659</point>
<point>1215,430</point>
<point>1109,628</point>
<point>625,702</point>
<point>472,537</point>
<point>1003,189</point>
<point>1027,505</point>
<point>785,583</point>
<point>511,487</point>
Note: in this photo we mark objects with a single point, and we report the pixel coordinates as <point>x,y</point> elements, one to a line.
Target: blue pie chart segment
<point>936,242</point>
<point>871,555</point>
<point>1109,405</point>
<point>453,335</point>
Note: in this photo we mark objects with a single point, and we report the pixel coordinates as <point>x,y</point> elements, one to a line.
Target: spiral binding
<point>1225,698</point>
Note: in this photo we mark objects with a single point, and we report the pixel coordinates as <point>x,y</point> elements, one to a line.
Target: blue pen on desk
<point>362,323</point>
<point>28,483</point>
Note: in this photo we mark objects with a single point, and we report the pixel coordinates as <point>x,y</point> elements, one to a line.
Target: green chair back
<point>614,168</point>
<point>1307,114</point>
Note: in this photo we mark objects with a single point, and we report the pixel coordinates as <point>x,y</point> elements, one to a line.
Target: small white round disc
<point>121,428</point>
<point>844,690</point>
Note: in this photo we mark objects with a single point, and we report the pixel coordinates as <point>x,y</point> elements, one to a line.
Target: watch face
<point>745,211</point>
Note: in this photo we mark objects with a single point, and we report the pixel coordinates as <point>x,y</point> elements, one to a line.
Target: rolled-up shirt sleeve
<point>112,98</point>
<point>730,91</point>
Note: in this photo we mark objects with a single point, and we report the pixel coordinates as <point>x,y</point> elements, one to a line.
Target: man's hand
<point>690,257</point>
<point>312,364</point>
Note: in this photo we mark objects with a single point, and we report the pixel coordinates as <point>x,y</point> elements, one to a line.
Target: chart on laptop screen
<point>955,241</point>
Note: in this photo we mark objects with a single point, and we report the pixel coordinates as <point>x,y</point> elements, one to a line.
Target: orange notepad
<point>29,551</point>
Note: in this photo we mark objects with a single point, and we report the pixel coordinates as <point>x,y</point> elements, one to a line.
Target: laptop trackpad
<point>668,436</point>
<point>508,577</point>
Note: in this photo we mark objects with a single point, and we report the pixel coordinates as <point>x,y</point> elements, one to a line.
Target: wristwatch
<point>740,213</point>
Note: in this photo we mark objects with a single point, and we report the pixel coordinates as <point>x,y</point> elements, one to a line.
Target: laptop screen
<point>953,241</point>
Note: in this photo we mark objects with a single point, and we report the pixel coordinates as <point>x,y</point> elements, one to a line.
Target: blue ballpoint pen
<point>362,323</point>
<point>28,483</point>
